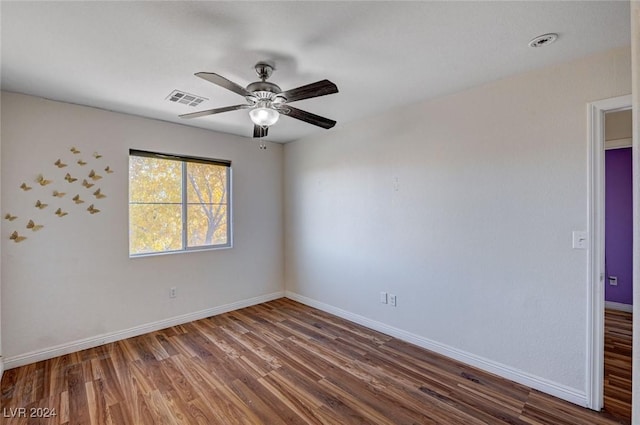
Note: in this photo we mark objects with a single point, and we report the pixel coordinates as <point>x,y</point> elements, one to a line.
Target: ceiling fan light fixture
<point>263,115</point>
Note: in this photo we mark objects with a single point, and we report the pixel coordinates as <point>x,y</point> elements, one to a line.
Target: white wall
<point>463,207</point>
<point>73,279</point>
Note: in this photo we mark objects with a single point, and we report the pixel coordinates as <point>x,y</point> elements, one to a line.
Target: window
<point>177,203</point>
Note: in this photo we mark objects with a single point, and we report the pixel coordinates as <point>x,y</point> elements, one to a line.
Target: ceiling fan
<point>266,101</point>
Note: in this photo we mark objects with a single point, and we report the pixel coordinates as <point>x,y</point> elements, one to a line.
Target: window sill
<point>182,251</point>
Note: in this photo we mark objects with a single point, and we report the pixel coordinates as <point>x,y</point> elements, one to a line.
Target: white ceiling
<point>128,56</point>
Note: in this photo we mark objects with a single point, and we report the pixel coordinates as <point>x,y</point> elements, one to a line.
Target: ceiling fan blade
<point>213,111</point>
<point>320,88</point>
<point>308,117</point>
<point>223,82</point>
<point>259,131</point>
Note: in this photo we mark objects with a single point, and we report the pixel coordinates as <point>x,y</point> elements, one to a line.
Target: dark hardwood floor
<point>275,363</point>
<point>617,363</point>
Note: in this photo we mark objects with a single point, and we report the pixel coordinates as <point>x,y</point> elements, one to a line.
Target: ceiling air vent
<point>185,98</point>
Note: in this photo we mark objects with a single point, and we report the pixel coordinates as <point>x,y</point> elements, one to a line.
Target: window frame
<point>184,160</point>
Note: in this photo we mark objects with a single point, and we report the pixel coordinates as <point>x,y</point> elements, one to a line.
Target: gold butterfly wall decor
<point>108,170</point>
<point>61,213</point>
<point>94,176</point>
<point>24,187</point>
<point>77,199</point>
<point>59,163</point>
<point>92,209</point>
<point>43,182</point>
<point>33,226</point>
<point>74,151</point>
<point>69,178</point>
<point>81,162</point>
<point>16,237</point>
<point>86,184</point>
<point>96,155</point>
<point>59,194</point>
<point>99,195</point>
<point>41,205</point>
<point>10,217</point>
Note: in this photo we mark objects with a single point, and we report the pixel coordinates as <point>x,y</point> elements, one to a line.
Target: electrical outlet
<point>383,297</point>
<point>392,300</point>
<point>172,292</point>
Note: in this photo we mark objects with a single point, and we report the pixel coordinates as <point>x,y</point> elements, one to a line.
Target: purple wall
<point>618,225</point>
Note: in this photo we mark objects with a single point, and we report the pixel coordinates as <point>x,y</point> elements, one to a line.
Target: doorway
<point>598,278</point>
<point>618,265</point>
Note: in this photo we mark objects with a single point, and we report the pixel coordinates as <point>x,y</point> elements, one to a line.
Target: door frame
<point>595,259</point>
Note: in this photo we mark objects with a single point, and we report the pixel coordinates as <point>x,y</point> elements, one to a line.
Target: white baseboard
<point>83,344</point>
<point>553,388</point>
<point>1,367</point>
<point>618,306</point>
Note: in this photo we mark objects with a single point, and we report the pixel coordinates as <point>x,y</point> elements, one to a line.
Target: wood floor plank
<point>116,416</point>
<point>258,406</point>
<point>617,363</point>
<point>78,402</point>
<point>284,363</point>
<point>97,405</point>
<point>63,411</point>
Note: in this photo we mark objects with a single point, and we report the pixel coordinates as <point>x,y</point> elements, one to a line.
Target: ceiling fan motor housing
<point>263,90</point>
<point>266,93</point>
<point>266,86</point>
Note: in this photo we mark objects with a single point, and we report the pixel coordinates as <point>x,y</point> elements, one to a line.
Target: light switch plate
<point>580,239</point>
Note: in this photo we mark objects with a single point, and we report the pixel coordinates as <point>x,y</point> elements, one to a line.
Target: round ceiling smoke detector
<point>543,40</point>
